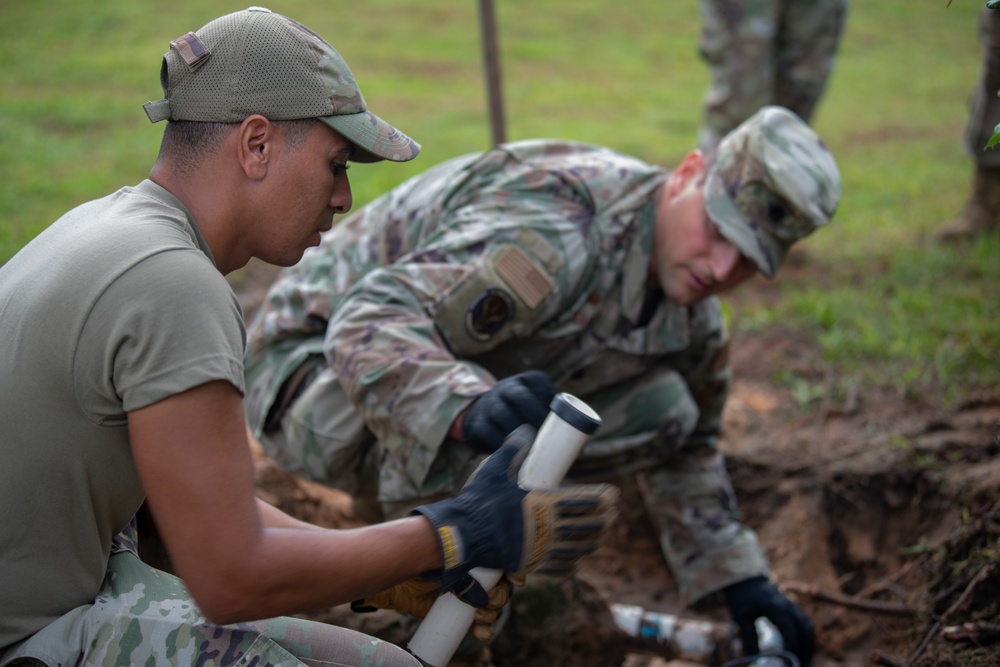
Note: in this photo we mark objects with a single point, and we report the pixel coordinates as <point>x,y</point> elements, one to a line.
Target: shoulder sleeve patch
<point>489,314</point>
<point>500,297</point>
<point>528,281</point>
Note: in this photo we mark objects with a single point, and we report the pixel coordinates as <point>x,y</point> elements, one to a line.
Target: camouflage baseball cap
<point>255,61</point>
<point>773,182</point>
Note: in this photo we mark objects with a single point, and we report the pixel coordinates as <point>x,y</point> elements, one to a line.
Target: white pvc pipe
<point>562,434</point>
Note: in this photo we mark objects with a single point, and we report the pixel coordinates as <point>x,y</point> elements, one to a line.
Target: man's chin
<point>680,296</point>
<point>287,259</point>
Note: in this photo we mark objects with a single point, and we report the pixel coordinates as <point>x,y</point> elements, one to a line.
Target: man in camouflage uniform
<point>981,213</point>
<point>456,304</point>
<point>762,52</point>
<point>122,382</point>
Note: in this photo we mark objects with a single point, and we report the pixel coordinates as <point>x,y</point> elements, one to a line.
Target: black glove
<point>519,399</point>
<point>750,599</point>
<point>495,523</point>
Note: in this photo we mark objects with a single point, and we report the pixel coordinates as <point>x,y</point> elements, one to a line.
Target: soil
<point>879,511</point>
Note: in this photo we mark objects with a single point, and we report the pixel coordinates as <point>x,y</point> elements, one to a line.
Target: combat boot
<point>982,210</point>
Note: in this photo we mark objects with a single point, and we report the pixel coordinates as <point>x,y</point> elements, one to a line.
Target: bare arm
<point>240,558</point>
<point>272,517</point>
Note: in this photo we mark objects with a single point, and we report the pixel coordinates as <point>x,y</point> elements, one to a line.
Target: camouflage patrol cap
<point>773,182</point>
<point>255,61</point>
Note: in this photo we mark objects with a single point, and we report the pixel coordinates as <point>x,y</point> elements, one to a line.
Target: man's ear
<point>688,170</point>
<point>255,148</point>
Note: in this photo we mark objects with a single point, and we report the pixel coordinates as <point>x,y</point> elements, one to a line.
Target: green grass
<point>892,307</point>
<point>912,320</point>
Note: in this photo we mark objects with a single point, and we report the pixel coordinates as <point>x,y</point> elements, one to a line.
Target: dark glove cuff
<point>454,549</point>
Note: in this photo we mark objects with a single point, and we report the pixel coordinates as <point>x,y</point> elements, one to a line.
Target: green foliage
<point>922,318</point>
<point>995,139</point>
<point>918,320</point>
<point>885,303</point>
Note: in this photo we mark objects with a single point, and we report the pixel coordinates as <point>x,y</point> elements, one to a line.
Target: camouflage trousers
<point>644,424</point>
<point>762,52</point>
<point>142,616</point>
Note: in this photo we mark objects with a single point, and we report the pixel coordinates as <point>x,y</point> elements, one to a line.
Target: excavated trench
<point>879,512</point>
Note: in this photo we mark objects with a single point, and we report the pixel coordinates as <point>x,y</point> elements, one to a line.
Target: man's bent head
<point>773,182</point>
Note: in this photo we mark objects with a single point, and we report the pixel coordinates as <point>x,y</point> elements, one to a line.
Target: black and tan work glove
<point>495,523</point>
<point>415,597</point>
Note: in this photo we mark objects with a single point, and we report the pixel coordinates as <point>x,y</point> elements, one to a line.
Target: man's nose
<point>341,200</point>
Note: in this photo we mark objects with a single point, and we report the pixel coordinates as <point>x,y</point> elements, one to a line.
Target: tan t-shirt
<point>114,307</point>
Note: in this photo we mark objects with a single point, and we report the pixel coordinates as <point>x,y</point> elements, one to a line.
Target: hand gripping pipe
<point>568,425</point>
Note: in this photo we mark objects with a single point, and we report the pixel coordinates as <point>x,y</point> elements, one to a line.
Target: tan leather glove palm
<point>414,597</point>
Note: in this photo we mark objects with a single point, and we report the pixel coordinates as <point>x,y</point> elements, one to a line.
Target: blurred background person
<point>762,52</point>
<point>981,208</point>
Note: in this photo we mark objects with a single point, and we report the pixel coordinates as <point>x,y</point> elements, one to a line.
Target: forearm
<point>703,539</point>
<point>288,570</point>
<point>407,386</point>
<point>272,517</point>
<point>239,558</point>
<point>413,393</point>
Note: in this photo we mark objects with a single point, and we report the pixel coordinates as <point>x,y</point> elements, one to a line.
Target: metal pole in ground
<point>491,65</point>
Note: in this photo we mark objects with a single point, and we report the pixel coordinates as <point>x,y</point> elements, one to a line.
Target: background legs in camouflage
<point>762,52</point>
<point>982,209</point>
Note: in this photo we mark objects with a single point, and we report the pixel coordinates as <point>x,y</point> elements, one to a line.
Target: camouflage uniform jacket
<point>533,255</point>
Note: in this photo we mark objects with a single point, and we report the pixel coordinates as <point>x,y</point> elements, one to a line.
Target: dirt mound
<point>879,513</point>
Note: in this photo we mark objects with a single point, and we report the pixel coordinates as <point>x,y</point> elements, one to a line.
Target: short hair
<point>188,143</point>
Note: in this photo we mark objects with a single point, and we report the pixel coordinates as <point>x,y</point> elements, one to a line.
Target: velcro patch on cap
<point>191,49</point>
<point>527,280</point>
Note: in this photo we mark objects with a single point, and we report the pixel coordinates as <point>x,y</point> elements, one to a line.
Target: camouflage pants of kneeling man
<point>142,616</point>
